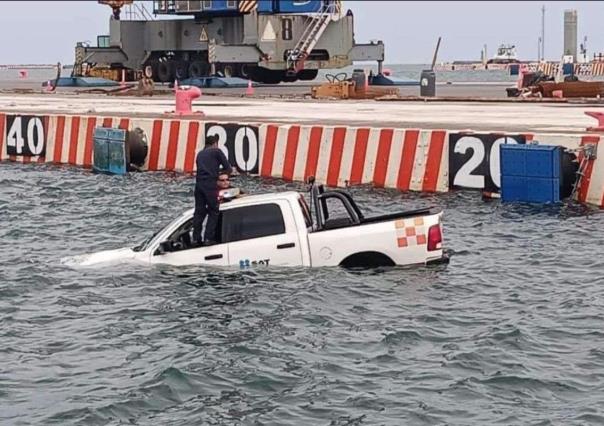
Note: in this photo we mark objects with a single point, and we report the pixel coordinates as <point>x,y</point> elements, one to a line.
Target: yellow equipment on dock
<point>356,87</point>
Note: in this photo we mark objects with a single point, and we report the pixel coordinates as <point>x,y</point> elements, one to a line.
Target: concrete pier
<point>428,146</point>
<point>478,116</point>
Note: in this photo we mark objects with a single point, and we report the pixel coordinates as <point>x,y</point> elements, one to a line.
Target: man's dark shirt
<point>208,162</point>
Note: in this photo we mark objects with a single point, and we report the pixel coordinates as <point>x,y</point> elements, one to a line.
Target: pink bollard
<point>184,100</point>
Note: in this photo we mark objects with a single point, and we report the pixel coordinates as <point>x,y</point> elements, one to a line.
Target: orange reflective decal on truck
<point>410,232</point>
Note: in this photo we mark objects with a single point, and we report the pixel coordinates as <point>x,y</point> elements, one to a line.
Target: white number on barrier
<point>252,143</point>
<point>35,142</point>
<point>222,138</point>
<point>464,176</point>
<point>14,137</point>
<point>494,160</point>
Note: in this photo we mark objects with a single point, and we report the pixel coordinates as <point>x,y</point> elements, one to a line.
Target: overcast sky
<point>46,31</point>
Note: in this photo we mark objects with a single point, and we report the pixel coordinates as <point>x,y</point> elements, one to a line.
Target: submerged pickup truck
<point>283,229</point>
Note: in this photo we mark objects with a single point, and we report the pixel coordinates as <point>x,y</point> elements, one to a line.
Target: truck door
<point>178,250</point>
<point>262,234</point>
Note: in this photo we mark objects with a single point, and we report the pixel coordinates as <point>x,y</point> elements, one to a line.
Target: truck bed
<point>339,223</point>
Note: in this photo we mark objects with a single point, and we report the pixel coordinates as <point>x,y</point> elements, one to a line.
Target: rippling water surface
<point>511,332</point>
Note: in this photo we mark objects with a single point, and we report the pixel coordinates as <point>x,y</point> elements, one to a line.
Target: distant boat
<point>506,54</point>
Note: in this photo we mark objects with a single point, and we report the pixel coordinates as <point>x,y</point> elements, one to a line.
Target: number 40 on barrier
<point>25,135</point>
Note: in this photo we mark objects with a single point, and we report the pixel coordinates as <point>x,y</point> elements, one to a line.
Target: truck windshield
<point>146,243</point>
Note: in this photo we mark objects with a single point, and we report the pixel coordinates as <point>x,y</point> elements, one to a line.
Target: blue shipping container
<point>109,151</point>
<point>530,160</point>
<point>265,6</point>
<point>530,173</point>
<point>530,189</point>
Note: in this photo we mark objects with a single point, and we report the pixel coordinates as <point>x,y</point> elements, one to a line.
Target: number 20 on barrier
<point>474,160</point>
<point>25,135</point>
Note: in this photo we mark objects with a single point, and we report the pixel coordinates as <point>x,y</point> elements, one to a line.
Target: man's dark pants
<point>206,203</point>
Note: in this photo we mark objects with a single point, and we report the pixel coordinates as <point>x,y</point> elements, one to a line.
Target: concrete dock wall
<point>404,159</point>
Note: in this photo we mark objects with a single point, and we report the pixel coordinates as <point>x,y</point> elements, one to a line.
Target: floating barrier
<point>404,159</point>
<point>81,82</point>
<point>216,82</point>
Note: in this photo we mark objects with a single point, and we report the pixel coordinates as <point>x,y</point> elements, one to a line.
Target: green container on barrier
<point>109,151</point>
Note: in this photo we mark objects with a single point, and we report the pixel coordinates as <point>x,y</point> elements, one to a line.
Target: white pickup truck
<point>281,229</point>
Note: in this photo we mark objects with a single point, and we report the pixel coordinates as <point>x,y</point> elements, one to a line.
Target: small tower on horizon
<point>570,33</point>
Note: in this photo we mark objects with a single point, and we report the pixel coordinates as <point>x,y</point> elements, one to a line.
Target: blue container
<point>530,160</point>
<point>568,69</point>
<point>296,6</point>
<point>530,173</point>
<point>514,69</point>
<point>109,151</point>
<point>266,6</point>
<point>530,189</point>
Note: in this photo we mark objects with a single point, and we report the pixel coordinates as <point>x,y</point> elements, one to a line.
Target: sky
<point>46,31</point>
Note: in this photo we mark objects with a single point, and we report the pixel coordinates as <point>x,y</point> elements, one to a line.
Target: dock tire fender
<point>367,259</point>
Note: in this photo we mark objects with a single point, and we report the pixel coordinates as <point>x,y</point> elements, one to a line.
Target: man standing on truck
<point>208,162</point>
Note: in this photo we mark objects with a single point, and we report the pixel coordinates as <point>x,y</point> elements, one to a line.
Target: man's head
<point>223,181</point>
<point>211,141</point>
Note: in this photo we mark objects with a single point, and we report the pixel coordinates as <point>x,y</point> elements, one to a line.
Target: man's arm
<point>224,162</point>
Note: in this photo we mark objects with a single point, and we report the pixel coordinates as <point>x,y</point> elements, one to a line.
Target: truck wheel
<point>228,71</point>
<point>198,69</point>
<point>244,71</point>
<point>165,71</point>
<point>367,259</point>
<point>181,70</point>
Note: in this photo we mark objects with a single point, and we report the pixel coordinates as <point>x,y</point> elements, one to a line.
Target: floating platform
<point>81,82</point>
<point>215,82</point>
<point>382,80</point>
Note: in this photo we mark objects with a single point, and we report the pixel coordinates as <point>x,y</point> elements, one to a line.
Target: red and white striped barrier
<point>338,156</point>
<point>67,138</point>
<point>173,143</point>
<point>404,159</point>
